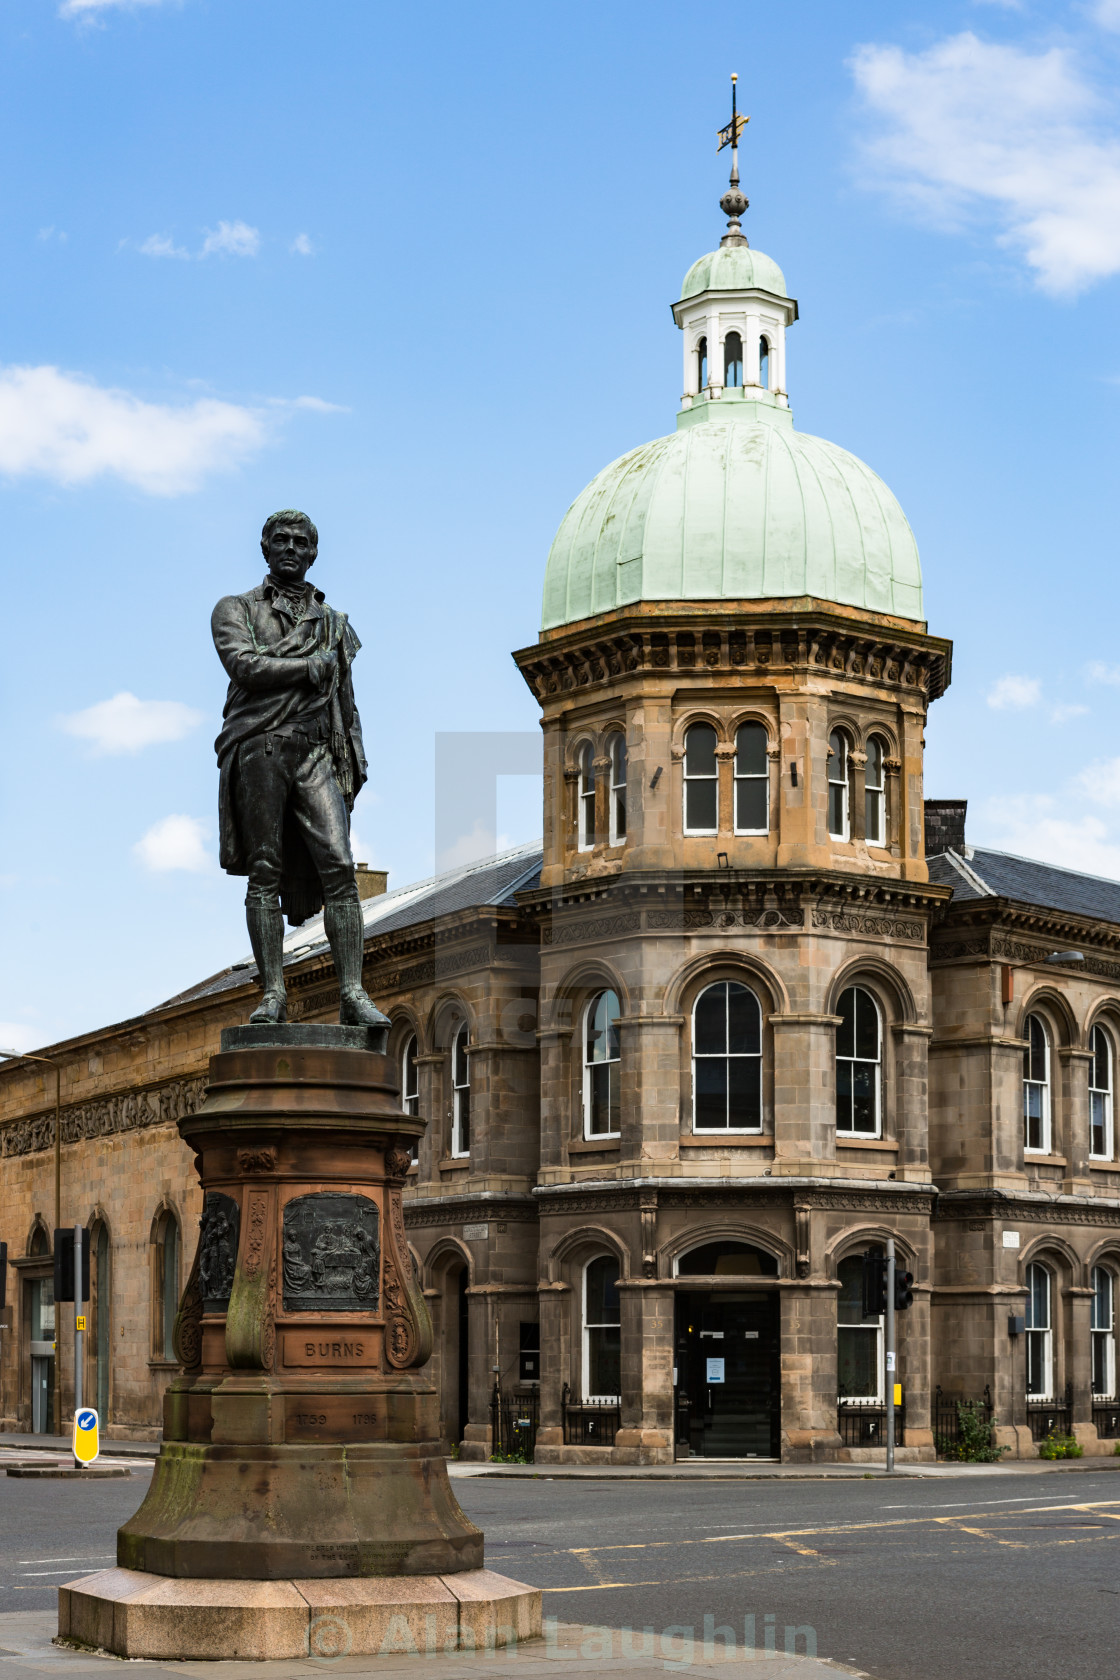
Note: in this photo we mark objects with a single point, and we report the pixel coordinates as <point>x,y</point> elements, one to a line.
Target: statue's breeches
<point>291,779</point>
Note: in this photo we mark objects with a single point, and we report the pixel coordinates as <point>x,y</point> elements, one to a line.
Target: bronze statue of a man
<point>291,760</point>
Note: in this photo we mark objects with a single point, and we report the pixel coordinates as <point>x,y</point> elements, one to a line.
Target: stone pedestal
<point>301,1442</point>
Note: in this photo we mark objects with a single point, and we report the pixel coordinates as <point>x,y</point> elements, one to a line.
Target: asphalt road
<point>906,1580</point>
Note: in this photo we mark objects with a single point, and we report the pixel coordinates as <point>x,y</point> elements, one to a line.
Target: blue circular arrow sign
<point>87,1420</point>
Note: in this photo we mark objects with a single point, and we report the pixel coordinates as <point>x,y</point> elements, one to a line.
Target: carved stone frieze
<point>876,927</point>
<point>603,1201</point>
<point>451,1215</point>
<point>601,927</point>
<point>1034,1213</point>
<point>105,1116</point>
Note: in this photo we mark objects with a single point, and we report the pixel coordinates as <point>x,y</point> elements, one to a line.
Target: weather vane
<point>729,136</point>
<point>733,202</point>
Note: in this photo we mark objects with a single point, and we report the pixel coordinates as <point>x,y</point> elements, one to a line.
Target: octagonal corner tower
<point>735,572</point>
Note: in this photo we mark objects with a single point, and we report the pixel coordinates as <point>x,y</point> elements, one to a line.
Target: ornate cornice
<point>735,639</point>
<point>130,1111</point>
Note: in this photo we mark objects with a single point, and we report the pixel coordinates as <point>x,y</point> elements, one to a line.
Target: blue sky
<point>411,268</point>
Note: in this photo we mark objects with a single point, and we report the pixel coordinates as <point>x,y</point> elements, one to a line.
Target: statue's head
<point>289,542</point>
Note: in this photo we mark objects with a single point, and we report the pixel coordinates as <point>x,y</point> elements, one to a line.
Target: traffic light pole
<point>79,1236</point>
<point>891,1362</point>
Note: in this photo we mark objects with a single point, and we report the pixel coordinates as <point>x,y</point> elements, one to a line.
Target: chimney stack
<point>371,882</point>
<point>945,826</point>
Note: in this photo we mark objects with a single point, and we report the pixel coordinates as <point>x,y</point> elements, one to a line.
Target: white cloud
<point>91,8</point>
<point>1014,694</point>
<point>60,426</point>
<point>301,246</point>
<point>14,1035</point>
<point>1065,713</point>
<point>1099,672</point>
<point>232,239</point>
<point>1107,13</point>
<point>1025,827</point>
<point>162,245</point>
<point>971,128</point>
<point>125,724</point>
<point>175,843</point>
<point>1100,782</point>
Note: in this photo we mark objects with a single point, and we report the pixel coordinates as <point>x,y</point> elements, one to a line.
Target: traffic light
<point>903,1290</point>
<point>64,1265</point>
<point>874,1283</point>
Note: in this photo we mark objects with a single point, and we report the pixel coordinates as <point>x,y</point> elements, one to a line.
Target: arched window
<point>410,1077</point>
<point>733,360</point>
<point>1040,1343</point>
<point>764,363</point>
<point>1100,1095</point>
<point>601,1067</point>
<point>586,797</point>
<point>602,1330</point>
<point>859,1063</point>
<point>165,1289</point>
<point>460,1094</point>
<point>410,1085</point>
<point>752,780</point>
<point>1103,1332</point>
<point>1036,1087</point>
<point>875,794</point>
<point>859,1340</point>
<point>839,770</point>
<point>701,780</point>
<point>617,750</point>
<point>727,1059</point>
<point>39,1245</point>
<point>727,1259</point>
<point>702,364</point>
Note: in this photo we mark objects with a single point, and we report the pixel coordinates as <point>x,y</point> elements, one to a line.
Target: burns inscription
<point>332,1255</point>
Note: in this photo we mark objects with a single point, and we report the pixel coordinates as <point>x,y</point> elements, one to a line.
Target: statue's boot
<point>342,919</point>
<point>266,935</point>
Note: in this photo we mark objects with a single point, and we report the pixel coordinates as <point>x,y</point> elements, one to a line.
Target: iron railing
<point>1106,1417</point>
<point>590,1423</point>
<point>513,1424</point>
<point>947,1418</point>
<point>863,1423</point>
<point>1050,1417</point>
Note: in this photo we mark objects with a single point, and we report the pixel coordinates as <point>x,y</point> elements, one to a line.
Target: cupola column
<point>751,374</point>
<point>715,354</point>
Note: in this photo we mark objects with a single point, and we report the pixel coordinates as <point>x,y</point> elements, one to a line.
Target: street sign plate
<point>86,1446</point>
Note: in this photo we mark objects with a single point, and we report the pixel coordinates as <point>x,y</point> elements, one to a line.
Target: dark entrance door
<point>728,1378</point>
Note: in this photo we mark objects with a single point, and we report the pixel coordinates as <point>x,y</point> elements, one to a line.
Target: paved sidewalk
<point>45,1449</point>
<point>26,1653</point>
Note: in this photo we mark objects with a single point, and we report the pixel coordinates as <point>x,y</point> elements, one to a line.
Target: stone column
<point>1079,1363</point>
<point>808,1342</point>
<point>646,1436</point>
<point>911,1059</point>
<point>804,1117</point>
<point>1074,1140</point>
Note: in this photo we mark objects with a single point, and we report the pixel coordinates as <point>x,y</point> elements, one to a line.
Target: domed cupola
<point>736,505</point>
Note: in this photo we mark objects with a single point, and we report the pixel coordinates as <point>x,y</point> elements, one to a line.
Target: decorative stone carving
<point>257,1160</point>
<point>332,1253</point>
<point>604,927</point>
<point>186,1338</point>
<point>397,1162</point>
<point>879,927</point>
<point>105,1116</point>
<point>217,1250</point>
<point>408,1323</point>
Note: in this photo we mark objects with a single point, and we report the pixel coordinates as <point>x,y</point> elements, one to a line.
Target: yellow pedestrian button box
<point>80,1322</point>
<point>86,1445</point>
<point>898,1394</point>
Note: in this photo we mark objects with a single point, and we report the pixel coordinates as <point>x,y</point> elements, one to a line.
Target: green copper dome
<point>736,505</point>
<point>734,268</point>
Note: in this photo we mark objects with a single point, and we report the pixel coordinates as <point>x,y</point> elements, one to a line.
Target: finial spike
<point>733,202</point>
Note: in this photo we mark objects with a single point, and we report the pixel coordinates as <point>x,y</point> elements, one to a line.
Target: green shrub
<point>975,1443</point>
<point>1061,1446</point>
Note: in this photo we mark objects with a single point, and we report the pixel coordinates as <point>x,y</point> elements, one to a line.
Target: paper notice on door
<point>715,1370</point>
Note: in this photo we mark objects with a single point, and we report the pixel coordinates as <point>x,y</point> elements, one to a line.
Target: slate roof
<point>980,873</point>
<point>486,882</point>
